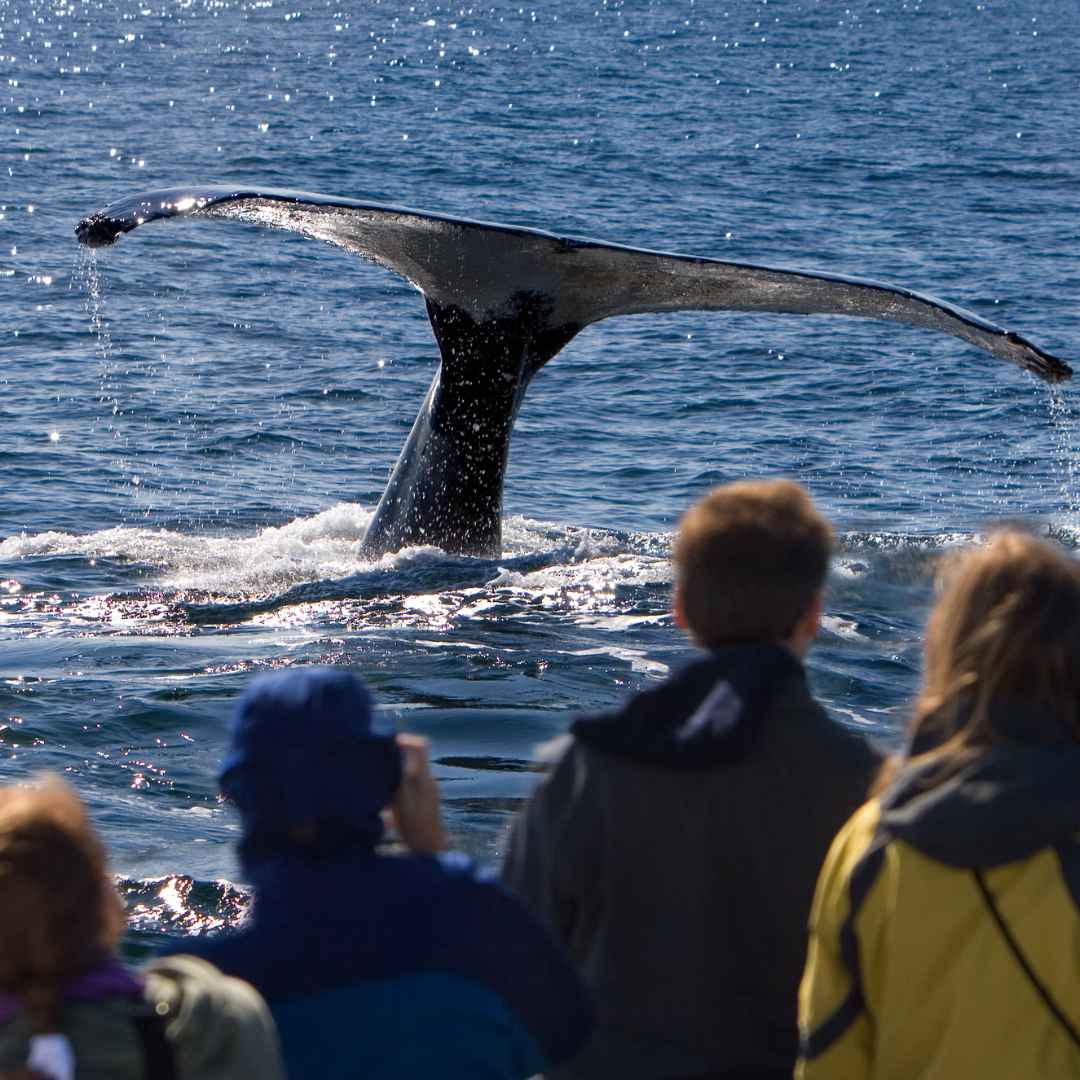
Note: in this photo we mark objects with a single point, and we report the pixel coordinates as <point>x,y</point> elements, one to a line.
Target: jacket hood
<point>707,714</point>
<point>1003,805</point>
<point>309,765</point>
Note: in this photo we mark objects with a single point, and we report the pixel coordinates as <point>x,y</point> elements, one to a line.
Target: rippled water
<point>196,426</point>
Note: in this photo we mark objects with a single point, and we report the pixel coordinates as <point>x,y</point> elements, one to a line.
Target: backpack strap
<point>1040,987</point>
<point>158,1060</point>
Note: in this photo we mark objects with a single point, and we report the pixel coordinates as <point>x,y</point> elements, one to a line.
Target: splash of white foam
<point>306,549</point>
<point>522,535</point>
<point>597,575</point>
<point>638,660</point>
<point>841,627</point>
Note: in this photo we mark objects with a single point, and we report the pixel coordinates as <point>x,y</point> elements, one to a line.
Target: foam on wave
<point>590,577</point>
<point>306,549</point>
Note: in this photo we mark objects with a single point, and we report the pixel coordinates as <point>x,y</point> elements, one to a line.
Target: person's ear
<point>810,623</point>
<point>677,609</point>
<point>113,917</point>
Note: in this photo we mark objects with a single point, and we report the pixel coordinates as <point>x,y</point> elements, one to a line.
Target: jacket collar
<point>1004,803</point>
<point>707,714</point>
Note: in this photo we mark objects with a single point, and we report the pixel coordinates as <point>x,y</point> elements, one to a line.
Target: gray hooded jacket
<point>675,848</point>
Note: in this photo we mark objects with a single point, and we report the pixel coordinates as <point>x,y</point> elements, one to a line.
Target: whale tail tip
<point>97,230</point>
<point>1031,358</point>
<point>1059,374</point>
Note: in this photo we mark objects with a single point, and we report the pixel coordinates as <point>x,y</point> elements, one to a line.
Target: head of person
<point>310,766</point>
<point>59,914</point>
<point>751,560</point>
<point>1006,628</point>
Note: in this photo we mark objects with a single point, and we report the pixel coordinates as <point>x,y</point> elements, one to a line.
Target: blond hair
<point>750,558</point>
<point>59,915</point>
<point>1007,625</point>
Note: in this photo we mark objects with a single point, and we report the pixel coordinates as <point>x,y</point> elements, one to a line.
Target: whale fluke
<point>502,302</point>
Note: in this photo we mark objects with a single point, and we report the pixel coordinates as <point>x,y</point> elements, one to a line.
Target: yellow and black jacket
<point>945,931</point>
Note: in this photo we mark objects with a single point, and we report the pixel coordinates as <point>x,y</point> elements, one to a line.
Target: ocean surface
<point>196,425</point>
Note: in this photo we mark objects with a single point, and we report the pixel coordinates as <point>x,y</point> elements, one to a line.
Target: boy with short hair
<point>676,843</point>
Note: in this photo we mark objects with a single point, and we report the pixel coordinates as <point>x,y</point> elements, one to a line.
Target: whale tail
<point>502,302</point>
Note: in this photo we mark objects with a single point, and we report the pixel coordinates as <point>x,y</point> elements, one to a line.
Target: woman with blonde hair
<point>945,934</point>
<point>68,1008</point>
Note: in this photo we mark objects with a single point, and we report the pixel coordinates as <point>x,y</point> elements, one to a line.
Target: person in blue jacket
<point>378,965</point>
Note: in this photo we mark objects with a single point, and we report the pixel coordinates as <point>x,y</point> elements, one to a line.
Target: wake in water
<point>306,574</point>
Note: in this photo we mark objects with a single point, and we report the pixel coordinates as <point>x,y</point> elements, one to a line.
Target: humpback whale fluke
<point>502,302</point>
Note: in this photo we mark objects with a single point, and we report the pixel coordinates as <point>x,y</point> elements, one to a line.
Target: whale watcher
<point>378,964</point>
<point>675,844</point>
<point>945,936</point>
<point>68,1007</point>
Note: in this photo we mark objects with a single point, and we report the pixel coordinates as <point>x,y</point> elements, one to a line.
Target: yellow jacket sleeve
<point>836,1031</point>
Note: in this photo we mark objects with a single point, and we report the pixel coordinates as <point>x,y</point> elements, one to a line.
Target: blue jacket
<point>398,968</point>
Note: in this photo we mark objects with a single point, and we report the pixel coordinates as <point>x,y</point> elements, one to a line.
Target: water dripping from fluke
<point>502,301</point>
<point>1067,436</point>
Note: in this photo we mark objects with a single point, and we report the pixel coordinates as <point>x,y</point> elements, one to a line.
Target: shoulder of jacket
<point>102,1034</point>
<point>796,700</point>
<point>550,753</point>
<point>796,704</point>
<point>861,829</point>
<point>584,767</point>
<point>847,859</point>
<point>565,791</point>
<point>219,1026</point>
<point>560,762</point>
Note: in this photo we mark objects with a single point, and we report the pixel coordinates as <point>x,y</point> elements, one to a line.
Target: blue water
<point>196,425</point>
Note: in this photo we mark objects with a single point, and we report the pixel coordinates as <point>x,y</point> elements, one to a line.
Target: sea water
<point>197,424</point>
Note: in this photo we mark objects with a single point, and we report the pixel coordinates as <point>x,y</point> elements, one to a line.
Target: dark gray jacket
<point>675,848</point>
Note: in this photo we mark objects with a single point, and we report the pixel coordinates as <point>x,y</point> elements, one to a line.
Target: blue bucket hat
<point>310,766</point>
